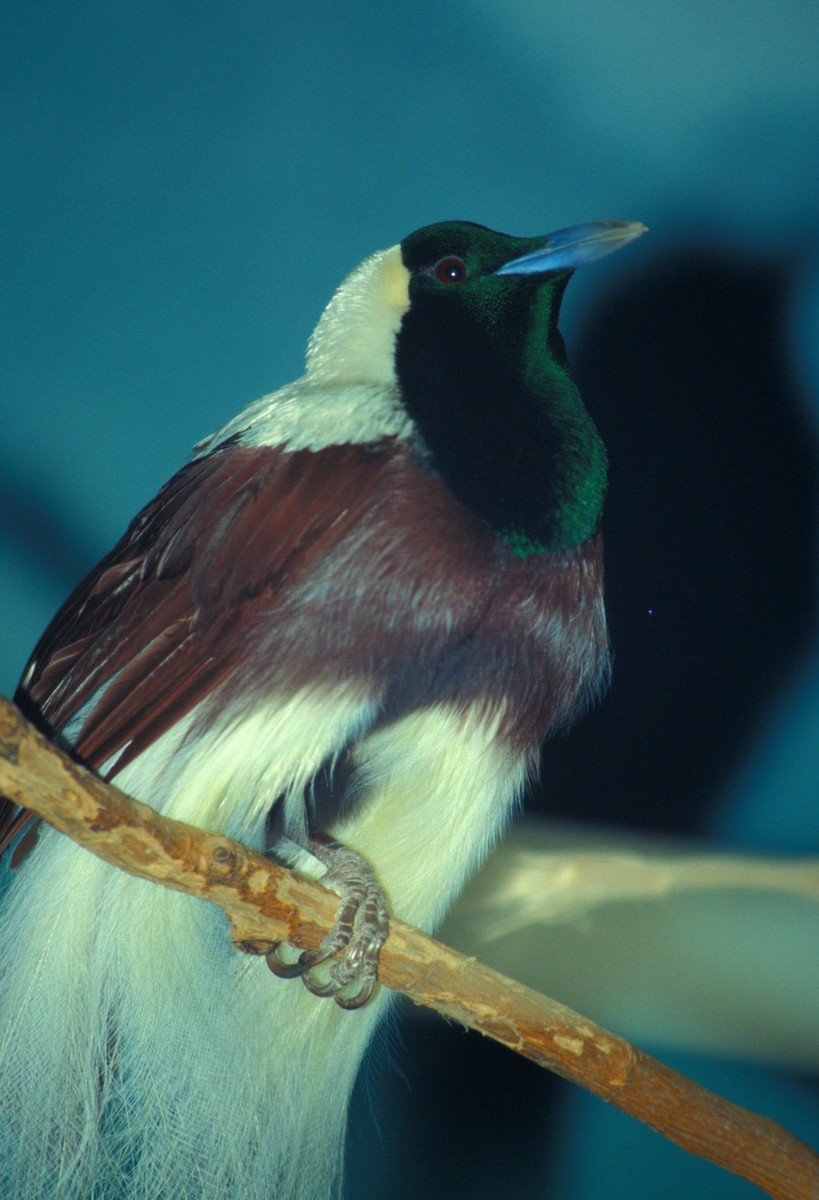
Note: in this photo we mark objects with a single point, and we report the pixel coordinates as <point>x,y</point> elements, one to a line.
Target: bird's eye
<point>450,270</point>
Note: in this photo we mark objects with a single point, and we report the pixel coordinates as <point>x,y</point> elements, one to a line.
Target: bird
<point>340,633</point>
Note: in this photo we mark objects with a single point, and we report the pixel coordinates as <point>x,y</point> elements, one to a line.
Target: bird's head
<point>456,272</point>
<point>458,324</point>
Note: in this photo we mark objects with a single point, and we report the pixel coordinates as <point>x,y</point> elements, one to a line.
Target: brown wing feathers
<point>256,565</point>
<point>164,617</point>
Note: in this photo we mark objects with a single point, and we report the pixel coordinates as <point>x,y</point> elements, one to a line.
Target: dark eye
<point>450,270</point>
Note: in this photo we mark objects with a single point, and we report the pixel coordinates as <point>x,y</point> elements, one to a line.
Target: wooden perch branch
<point>266,903</point>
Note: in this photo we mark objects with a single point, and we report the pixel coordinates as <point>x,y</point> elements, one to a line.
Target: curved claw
<point>357,935</point>
<point>284,970</point>
<point>360,998</point>
<point>327,987</point>
<point>334,986</point>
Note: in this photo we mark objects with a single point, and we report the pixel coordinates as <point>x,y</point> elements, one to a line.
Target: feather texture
<point>439,697</point>
<point>306,593</point>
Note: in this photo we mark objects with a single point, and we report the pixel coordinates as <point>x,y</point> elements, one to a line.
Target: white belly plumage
<point>140,1054</point>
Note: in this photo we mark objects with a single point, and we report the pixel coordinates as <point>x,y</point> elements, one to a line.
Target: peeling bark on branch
<point>266,903</point>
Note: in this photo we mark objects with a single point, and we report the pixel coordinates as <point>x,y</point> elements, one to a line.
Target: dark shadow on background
<point>38,530</point>
<point>710,535</point>
<point>710,531</point>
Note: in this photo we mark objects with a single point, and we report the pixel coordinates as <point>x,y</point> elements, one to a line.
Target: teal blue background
<point>183,187</point>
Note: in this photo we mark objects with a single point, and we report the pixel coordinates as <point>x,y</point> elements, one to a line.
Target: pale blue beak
<point>567,249</point>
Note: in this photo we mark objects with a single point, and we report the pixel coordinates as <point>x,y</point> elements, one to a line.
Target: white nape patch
<point>228,777</point>
<point>349,393</point>
<point>438,785</point>
<point>354,342</point>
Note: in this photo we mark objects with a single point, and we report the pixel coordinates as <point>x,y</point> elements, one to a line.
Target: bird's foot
<point>352,946</point>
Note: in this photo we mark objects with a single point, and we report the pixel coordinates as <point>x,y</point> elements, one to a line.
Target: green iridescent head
<point>483,371</point>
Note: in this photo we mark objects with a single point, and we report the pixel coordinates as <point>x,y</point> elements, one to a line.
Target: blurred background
<point>185,185</point>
